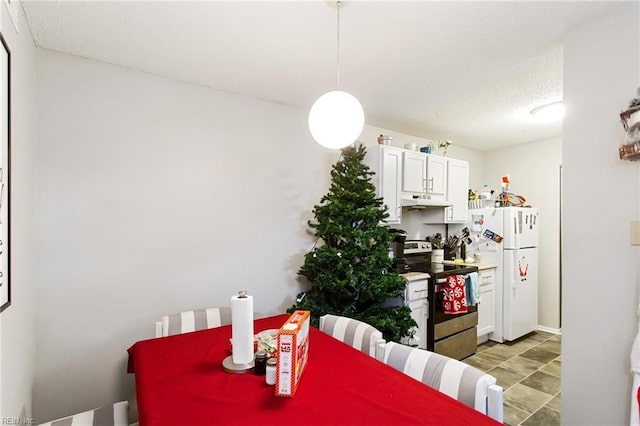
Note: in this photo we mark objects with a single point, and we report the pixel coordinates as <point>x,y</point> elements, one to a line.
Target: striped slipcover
<point>461,381</point>
<point>111,415</point>
<point>199,319</point>
<point>358,334</point>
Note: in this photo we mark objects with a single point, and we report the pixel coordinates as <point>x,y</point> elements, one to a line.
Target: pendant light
<point>336,119</point>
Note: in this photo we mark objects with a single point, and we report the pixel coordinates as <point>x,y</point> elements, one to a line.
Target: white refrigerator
<point>508,238</point>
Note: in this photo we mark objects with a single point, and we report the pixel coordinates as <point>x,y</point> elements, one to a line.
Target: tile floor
<point>529,371</point>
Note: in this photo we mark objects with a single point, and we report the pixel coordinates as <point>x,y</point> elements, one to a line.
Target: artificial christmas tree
<point>351,273</point>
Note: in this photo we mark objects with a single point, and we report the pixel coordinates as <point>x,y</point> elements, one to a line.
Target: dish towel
<point>454,299</point>
<point>473,292</point>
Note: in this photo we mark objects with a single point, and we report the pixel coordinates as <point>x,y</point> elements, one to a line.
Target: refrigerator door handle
<point>514,266</point>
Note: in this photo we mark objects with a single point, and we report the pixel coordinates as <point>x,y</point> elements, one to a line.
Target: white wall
<point>17,322</point>
<point>156,196</point>
<point>534,170</point>
<point>600,197</point>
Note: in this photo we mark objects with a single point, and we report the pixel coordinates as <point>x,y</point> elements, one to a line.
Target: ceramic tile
<point>477,362</point>
<point>538,336</point>
<point>506,378</point>
<point>519,364</point>
<point>543,382</point>
<point>539,355</point>
<point>554,404</point>
<point>486,345</point>
<point>504,351</point>
<point>522,345</point>
<point>543,417</point>
<point>552,368</point>
<point>525,398</point>
<point>513,416</point>
<point>484,361</point>
<point>528,369</point>
<point>550,346</point>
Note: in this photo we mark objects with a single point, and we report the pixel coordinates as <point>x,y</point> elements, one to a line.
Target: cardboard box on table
<point>293,347</point>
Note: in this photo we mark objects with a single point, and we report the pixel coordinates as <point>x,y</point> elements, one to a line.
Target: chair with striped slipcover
<point>199,319</point>
<point>358,334</point>
<point>110,415</point>
<point>461,381</point>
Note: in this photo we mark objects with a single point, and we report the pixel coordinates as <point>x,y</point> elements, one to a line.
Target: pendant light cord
<point>338,4</point>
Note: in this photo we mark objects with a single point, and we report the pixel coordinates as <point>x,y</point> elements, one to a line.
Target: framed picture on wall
<point>5,174</point>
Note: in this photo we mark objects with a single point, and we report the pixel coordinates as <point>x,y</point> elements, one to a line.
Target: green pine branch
<point>350,273</point>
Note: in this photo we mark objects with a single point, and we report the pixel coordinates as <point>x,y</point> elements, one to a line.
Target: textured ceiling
<point>465,71</point>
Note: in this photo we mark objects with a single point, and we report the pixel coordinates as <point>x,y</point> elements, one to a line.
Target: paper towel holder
<point>231,367</point>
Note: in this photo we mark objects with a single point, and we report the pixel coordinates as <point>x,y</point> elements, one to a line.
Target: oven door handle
<point>441,281</point>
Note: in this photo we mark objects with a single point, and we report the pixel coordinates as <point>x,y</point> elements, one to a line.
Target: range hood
<point>423,203</point>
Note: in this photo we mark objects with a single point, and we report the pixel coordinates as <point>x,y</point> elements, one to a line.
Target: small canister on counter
<point>260,363</point>
<point>270,378</point>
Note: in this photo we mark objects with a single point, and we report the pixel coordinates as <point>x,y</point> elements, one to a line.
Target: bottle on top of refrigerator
<point>486,193</point>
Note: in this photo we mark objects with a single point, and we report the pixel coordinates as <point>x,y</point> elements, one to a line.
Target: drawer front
<point>455,325</point>
<point>460,345</point>
<point>487,277</point>
<point>417,289</point>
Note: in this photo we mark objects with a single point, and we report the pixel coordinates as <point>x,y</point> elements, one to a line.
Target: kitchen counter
<point>480,266</point>
<point>415,276</point>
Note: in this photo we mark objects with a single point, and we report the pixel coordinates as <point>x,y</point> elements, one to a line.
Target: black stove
<point>451,335</point>
<point>417,258</point>
<point>443,270</point>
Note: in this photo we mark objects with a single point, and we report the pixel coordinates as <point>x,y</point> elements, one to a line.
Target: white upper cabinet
<point>414,172</point>
<point>457,177</point>
<point>436,177</point>
<point>458,182</point>
<point>424,175</point>
<point>386,162</point>
<point>439,185</point>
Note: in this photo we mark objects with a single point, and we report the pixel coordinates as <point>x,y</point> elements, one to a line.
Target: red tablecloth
<point>180,381</point>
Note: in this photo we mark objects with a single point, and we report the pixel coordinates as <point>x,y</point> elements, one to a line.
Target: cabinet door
<point>436,183</point>
<point>414,172</point>
<point>390,183</point>
<point>458,190</point>
<point>419,314</point>
<point>486,307</point>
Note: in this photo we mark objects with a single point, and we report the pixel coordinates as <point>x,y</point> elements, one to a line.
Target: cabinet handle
<point>431,184</point>
<point>420,291</point>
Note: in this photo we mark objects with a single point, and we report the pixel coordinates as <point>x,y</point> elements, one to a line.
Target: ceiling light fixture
<point>549,113</point>
<point>336,119</point>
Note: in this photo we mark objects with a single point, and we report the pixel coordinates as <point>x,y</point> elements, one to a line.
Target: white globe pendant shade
<point>336,119</point>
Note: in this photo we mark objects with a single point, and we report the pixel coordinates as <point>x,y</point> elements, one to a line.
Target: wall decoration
<point>5,174</point>
<point>630,147</point>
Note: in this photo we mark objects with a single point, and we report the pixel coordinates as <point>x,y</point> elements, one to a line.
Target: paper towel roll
<point>242,328</point>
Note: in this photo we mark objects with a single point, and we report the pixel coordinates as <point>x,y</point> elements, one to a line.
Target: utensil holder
<point>437,256</point>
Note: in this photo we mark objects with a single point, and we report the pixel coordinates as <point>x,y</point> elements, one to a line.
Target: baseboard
<point>550,330</point>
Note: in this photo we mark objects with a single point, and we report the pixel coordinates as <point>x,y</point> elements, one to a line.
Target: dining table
<point>180,381</point>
